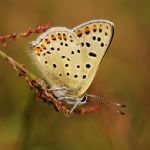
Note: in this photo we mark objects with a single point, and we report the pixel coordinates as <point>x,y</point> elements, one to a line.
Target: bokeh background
<point>123,76</point>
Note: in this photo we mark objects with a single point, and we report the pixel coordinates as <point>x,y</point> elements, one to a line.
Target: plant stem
<point>41,88</point>
<point>38,85</point>
<point>16,64</point>
<point>2,54</point>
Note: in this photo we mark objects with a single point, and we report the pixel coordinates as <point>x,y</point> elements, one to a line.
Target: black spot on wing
<point>102,44</point>
<point>88,66</point>
<point>88,44</point>
<point>54,66</point>
<point>92,54</point>
<point>84,76</point>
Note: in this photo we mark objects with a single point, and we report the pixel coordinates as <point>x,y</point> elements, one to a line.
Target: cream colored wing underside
<point>58,55</point>
<point>95,37</point>
<point>70,58</point>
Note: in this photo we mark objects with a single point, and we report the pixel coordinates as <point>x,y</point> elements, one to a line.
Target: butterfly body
<point>69,58</point>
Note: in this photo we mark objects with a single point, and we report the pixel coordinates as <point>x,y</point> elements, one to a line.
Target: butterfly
<point>69,58</point>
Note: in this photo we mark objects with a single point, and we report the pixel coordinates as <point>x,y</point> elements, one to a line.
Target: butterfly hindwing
<point>94,37</point>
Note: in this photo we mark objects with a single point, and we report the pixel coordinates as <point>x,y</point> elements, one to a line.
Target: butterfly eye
<point>84,99</point>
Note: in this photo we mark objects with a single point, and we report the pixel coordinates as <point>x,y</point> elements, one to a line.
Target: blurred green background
<point>123,76</point>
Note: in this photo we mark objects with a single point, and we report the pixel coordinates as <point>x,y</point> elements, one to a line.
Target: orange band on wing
<point>37,49</point>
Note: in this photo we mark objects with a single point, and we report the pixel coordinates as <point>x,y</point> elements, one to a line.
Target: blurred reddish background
<point>123,76</point>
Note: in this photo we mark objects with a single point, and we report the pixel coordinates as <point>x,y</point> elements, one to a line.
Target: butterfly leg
<point>70,100</point>
<point>72,109</point>
<point>58,92</point>
<point>58,89</point>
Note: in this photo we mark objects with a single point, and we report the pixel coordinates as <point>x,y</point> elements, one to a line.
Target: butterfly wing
<point>70,58</point>
<point>57,55</point>
<point>94,37</point>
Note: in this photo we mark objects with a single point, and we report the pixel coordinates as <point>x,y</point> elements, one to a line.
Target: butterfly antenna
<point>113,105</point>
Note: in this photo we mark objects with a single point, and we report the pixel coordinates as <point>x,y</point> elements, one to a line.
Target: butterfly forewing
<point>94,37</point>
<point>58,57</point>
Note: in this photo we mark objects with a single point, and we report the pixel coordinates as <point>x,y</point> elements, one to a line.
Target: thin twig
<point>15,36</point>
<point>38,85</point>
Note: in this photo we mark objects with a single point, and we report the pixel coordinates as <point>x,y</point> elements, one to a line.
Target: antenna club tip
<point>120,105</point>
<point>123,105</point>
<point>122,113</point>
